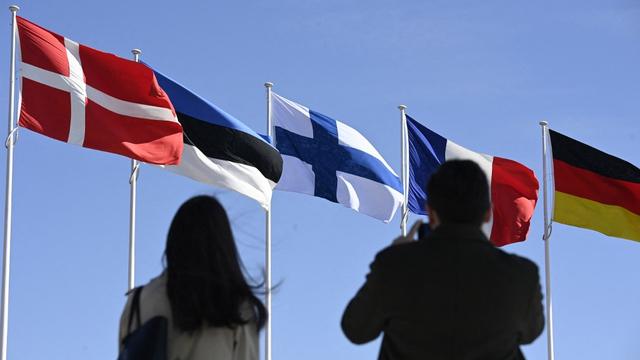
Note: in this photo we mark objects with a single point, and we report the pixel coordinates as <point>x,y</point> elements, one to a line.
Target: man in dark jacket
<point>451,294</point>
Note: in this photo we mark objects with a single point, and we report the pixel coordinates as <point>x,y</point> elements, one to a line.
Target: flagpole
<point>404,169</point>
<point>267,284</point>
<point>133,180</point>
<point>6,254</point>
<point>546,236</point>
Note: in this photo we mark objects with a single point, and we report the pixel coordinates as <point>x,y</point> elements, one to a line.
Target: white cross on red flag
<point>76,94</point>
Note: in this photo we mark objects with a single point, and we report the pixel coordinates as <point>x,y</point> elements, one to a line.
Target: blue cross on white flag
<point>327,158</point>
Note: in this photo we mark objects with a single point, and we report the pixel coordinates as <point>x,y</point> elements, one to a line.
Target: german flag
<point>595,190</point>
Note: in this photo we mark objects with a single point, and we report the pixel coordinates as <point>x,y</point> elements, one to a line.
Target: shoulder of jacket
<point>131,291</point>
<point>523,264</point>
<point>397,252</point>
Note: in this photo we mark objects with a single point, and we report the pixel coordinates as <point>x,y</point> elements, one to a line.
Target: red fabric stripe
<point>152,141</point>
<point>514,193</point>
<point>45,110</point>
<point>121,78</point>
<point>587,184</point>
<point>42,48</point>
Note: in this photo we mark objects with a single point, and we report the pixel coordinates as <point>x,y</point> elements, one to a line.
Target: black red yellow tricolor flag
<point>595,190</point>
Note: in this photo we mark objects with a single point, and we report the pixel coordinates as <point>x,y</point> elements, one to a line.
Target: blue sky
<point>480,73</point>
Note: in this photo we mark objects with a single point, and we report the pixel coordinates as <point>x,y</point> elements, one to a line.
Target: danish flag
<point>76,94</point>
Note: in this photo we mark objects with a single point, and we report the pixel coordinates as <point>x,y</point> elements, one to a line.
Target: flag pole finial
<point>14,8</point>
<point>402,107</point>
<point>268,84</point>
<point>136,51</point>
<point>543,123</point>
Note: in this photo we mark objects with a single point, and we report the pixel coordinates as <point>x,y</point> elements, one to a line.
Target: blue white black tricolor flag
<point>329,159</point>
<point>219,149</point>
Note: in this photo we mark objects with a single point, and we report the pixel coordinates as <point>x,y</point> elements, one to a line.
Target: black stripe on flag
<point>583,156</point>
<point>221,142</point>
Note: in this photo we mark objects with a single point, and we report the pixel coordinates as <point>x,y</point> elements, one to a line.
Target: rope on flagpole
<point>267,260</point>
<point>133,181</point>
<point>6,255</point>
<point>546,236</point>
<point>12,138</point>
<point>134,172</point>
<point>404,169</point>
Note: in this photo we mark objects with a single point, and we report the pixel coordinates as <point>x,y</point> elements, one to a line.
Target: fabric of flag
<point>76,94</point>
<point>595,190</point>
<point>513,186</point>
<point>327,158</point>
<point>219,149</point>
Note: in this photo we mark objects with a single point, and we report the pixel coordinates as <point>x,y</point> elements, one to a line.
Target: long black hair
<point>205,279</point>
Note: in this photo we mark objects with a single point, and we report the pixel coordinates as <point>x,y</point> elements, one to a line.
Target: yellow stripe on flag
<point>608,219</point>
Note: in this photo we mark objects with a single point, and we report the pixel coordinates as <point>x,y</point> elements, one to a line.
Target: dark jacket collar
<point>458,231</point>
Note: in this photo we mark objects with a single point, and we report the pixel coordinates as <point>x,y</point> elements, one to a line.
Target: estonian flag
<point>219,149</point>
<point>595,190</point>
<point>513,186</point>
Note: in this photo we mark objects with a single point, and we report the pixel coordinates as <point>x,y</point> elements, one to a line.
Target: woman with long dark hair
<point>212,311</point>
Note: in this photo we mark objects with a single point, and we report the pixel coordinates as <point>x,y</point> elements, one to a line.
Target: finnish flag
<point>329,159</point>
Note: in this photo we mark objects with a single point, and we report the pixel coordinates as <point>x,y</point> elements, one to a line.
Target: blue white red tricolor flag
<point>513,186</point>
<point>79,95</point>
<point>329,159</point>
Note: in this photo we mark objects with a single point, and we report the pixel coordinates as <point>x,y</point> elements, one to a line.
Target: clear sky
<point>482,73</point>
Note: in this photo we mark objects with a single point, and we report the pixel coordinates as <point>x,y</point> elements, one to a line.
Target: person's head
<point>458,192</point>
<point>205,279</point>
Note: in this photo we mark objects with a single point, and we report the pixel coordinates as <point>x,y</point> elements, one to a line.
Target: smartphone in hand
<point>424,230</point>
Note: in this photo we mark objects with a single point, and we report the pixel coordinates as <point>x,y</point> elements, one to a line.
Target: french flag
<point>513,186</point>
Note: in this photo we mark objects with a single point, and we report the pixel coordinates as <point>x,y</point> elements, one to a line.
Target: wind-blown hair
<point>205,279</point>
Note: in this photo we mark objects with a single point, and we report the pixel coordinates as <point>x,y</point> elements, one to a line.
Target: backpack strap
<point>135,309</point>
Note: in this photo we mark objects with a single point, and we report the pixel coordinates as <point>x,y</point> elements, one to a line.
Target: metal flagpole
<point>6,254</point>
<point>404,169</point>
<point>546,235</point>
<point>267,261</point>
<point>133,179</point>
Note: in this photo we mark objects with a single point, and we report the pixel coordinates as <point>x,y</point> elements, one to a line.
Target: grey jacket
<point>208,343</point>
